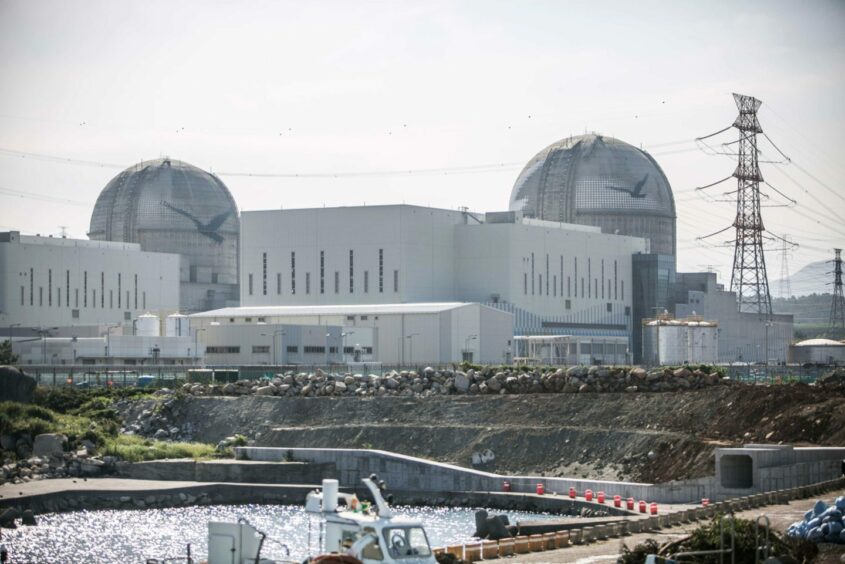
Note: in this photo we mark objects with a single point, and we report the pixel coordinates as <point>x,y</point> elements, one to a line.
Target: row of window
<point>64,291</point>
<point>322,289</point>
<point>554,285</point>
<point>265,349</point>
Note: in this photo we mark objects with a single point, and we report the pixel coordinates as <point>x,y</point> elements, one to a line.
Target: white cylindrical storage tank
<point>329,495</point>
<point>177,325</point>
<point>147,325</point>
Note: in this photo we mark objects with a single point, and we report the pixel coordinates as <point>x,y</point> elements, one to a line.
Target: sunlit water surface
<point>134,535</point>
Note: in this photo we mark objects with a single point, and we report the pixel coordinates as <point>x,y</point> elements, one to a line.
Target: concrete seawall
<point>244,471</point>
<point>740,471</point>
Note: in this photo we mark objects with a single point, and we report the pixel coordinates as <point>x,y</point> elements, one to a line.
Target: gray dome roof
<point>162,194</point>
<point>172,207</point>
<point>601,181</point>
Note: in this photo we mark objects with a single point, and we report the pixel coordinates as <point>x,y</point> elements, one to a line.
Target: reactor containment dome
<point>600,181</point>
<point>169,206</point>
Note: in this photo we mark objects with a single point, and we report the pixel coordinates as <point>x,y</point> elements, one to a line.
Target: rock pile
<point>429,382</point>
<point>48,459</point>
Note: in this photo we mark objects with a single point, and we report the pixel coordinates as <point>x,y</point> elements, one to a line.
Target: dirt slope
<point>647,437</point>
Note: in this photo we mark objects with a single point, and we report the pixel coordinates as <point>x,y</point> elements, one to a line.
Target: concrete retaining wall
<point>282,472</point>
<point>410,474</point>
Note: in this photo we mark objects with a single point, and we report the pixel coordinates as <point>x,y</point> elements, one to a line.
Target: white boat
<point>349,532</point>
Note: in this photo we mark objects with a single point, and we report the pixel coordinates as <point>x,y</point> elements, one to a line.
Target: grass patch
<point>133,448</point>
<point>67,399</point>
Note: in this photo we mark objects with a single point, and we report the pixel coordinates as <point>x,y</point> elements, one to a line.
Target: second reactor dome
<point>600,181</point>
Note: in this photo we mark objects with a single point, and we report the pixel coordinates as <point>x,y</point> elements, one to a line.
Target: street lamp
<point>42,332</point>
<point>466,346</point>
<point>343,335</point>
<point>196,346</point>
<point>108,340</point>
<point>12,341</point>
<point>327,348</point>
<point>411,348</point>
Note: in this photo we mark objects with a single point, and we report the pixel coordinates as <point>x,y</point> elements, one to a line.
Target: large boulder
<point>49,444</point>
<point>15,385</point>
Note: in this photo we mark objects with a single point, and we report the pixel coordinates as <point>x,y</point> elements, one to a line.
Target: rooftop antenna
<point>63,231</point>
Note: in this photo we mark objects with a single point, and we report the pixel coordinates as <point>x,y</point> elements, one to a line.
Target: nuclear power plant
<point>570,273</point>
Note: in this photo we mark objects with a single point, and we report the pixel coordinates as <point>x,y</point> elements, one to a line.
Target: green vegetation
<point>133,448</point>
<point>89,414</point>
<point>6,356</point>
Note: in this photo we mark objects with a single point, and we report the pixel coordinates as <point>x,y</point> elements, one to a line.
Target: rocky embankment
<point>46,457</point>
<point>431,382</point>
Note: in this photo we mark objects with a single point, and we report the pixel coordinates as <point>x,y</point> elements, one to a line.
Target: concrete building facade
<point>392,334</point>
<point>58,282</point>
<point>743,337</point>
<point>555,278</point>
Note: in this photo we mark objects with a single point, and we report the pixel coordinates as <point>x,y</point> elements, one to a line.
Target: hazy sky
<point>365,87</point>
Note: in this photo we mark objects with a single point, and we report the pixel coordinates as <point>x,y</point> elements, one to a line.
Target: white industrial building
<point>58,282</point>
<point>555,278</point>
<point>743,337</point>
<point>393,334</point>
<point>680,341</point>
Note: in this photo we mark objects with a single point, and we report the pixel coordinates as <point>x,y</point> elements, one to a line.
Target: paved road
<point>781,517</point>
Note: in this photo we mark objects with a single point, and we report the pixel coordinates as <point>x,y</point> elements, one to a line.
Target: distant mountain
<point>812,279</point>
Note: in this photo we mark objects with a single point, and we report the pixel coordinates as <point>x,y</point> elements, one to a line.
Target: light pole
<point>11,341</point>
<point>327,348</point>
<point>343,335</point>
<point>466,347</point>
<point>108,340</point>
<point>196,345</point>
<point>42,332</point>
<point>411,348</point>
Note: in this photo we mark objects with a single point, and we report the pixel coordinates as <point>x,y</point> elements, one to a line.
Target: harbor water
<point>135,535</point>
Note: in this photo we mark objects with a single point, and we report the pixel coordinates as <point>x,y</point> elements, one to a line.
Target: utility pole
<point>784,289</point>
<point>748,278</point>
<point>837,308</point>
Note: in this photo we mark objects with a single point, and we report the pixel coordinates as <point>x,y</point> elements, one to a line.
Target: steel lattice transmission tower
<point>748,278</point>
<point>837,308</point>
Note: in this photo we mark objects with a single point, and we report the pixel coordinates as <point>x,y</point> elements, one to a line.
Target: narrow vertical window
<point>40,296</point>
<point>93,298</point>
<point>85,289</point>
<point>322,272</point>
<point>336,282</point>
<point>525,283</point>
<point>554,287</point>
<point>264,274</point>
<point>67,288</point>
<point>366,281</point>
<point>602,279</point>
<point>249,284</point>
<point>136,291</point>
<point>278,283</point>
<point>561,276</point>
<point>568,286</point>
<point>32,286</point>
<point>76,297</point>
<point>540,285</point>
<point>576,277</point>
<point>103,290</point>
<point>50,287</point>
<point>395,280</point>
<point>119,290</point>
<point>547,274</point>
<point>145,300</point>
<point>293,272</point>
<point>59,297</point>
<point>127,300</point>
<point>23,292</point>
<point>589,275</point>
<point>351,271</point>
<point>381,271</point>
<point>615,282</point>
<point>307,282</point>
<point>532,274</point>
<point>111,299</point>
<point>622,289</point>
